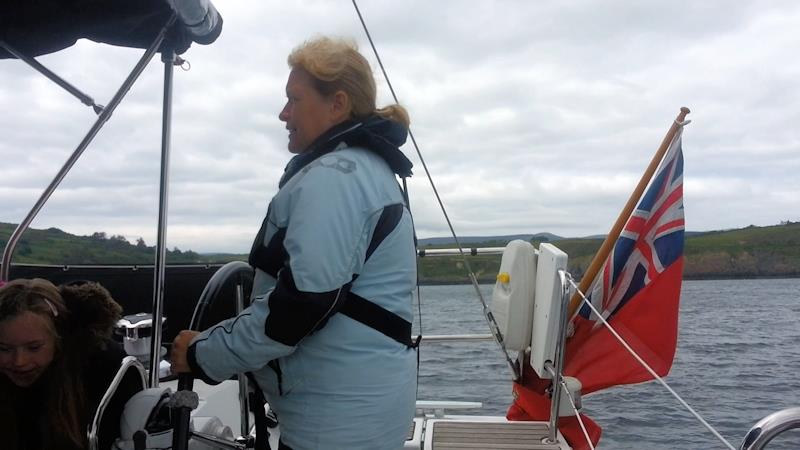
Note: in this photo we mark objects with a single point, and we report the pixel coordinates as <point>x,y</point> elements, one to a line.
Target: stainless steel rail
<point>456,337</point>
<point>458,252</point>
<point>769,427</point>
<point>559,356</point>
<point>128,363</point>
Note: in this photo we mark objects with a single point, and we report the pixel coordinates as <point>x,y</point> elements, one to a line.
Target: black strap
<point>268,258</point>
<point>387,222</point>
<point>257,402</point>
<point>381,319</point>
<point>371,314</point>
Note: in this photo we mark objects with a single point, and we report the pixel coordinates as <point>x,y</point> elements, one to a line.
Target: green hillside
<point>745,253</point>
<point>750,252</point>
<point>53,246</point>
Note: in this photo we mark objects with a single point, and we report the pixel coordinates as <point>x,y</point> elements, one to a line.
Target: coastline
<point>718,277</point>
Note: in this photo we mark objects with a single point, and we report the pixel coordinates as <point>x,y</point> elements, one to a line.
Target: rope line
<point>577,412</point>
<point>649,369</point>
<point>487,314</point>
<point>495,329</point>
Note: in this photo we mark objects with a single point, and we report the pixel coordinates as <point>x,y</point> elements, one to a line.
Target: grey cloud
<point>531,116</point>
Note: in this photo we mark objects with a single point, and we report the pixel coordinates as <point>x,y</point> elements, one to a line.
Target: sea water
<point>738,360</point>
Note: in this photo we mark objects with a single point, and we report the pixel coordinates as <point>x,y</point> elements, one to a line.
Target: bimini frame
<point>171,38</point>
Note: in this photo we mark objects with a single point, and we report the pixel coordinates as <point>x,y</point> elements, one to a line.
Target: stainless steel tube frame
<point>168,57</point>
<point>767,428</point>
<point>5,269</point>
<point>559,363</point>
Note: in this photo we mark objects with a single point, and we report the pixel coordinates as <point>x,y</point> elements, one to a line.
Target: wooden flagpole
<point>605,248</point>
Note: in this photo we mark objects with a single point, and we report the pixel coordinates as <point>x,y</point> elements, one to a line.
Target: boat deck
<point>438,431</point>
<point>463,435</point>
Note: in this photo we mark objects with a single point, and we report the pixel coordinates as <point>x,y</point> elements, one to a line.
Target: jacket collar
<point>377,134</point>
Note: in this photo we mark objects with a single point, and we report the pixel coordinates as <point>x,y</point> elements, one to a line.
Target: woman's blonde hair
<point>336,65</point>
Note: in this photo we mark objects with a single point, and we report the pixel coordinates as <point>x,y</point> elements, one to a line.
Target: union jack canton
<point>651,240</point>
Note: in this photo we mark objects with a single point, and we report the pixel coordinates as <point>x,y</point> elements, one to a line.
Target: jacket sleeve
<point>235,345</point>
<point>325,242</point>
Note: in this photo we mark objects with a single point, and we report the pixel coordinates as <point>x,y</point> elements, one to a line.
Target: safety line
<point>487,314</point>
<point>648,368</point>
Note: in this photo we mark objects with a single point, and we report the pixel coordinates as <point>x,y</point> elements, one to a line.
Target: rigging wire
<point>487,313</point>
<point>577,412</point>
<point>495,329</point>
<point>648,368</point>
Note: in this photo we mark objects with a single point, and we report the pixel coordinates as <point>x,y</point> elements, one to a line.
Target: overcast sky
<point>531,116</point>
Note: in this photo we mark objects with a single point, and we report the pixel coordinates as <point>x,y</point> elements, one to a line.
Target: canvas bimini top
<point>38,27</point>
<point>30,28</point>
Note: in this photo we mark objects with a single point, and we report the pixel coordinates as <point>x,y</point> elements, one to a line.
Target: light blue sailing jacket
<point>334,382</point>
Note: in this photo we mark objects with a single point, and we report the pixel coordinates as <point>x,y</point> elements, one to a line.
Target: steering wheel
<point>241,274</point>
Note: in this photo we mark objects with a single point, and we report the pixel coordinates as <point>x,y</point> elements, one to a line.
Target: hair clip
<point>52,308</point>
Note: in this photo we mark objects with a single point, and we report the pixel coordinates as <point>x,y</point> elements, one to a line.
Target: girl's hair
<point>65,407</point>
<point>35,295</point>
<point>336,65</point>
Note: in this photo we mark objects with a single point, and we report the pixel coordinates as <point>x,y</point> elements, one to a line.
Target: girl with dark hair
<point>56,361</point>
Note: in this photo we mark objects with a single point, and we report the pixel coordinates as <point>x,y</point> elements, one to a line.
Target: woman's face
<point>27,347</point>
<point>307,113</point>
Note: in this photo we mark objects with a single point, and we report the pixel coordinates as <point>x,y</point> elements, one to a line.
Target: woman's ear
<point>340,107</point>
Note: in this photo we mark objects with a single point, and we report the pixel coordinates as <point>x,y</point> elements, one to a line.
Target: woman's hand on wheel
<point>180,346</point>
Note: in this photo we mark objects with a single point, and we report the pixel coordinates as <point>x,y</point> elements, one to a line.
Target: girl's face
<point>27,347</point>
